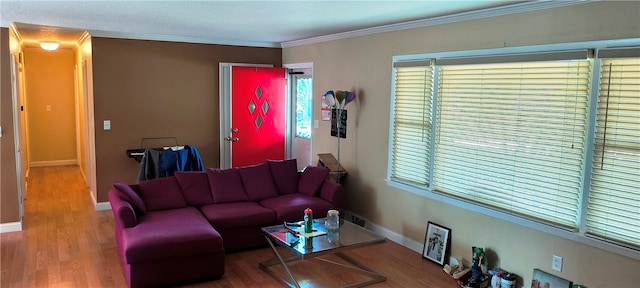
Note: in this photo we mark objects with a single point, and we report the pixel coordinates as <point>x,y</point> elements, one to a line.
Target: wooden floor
<point>66,243</point>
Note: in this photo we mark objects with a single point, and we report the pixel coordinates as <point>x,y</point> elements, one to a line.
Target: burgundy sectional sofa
<point>178,229</point>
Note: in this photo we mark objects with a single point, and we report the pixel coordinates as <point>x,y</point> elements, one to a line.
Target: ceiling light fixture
<point>49,45</point>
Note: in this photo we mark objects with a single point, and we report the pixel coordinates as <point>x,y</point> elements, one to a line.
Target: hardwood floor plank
<point>66,243</point>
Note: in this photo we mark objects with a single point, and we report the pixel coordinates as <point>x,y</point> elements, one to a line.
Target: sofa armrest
<point>123,213</point>
<point>332,192</point>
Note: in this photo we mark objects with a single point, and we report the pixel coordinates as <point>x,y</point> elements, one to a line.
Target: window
<point>517,133</point>
<point>412,124</point>
<point>614,200</point>
<point>304,105</point>
<point>511,136</point>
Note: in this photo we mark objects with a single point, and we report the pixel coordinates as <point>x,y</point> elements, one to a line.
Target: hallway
<point>64,242</point>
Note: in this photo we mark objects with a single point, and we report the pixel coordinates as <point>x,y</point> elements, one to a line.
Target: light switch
<point>107,125</point>
<point>316,123</point>
<point>48,108</point>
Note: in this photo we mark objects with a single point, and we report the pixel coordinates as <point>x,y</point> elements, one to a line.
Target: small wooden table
<point>351,236</point>
<point>336,172</point>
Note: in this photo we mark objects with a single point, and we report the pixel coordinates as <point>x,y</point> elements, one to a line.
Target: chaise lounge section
<point>177,229</point>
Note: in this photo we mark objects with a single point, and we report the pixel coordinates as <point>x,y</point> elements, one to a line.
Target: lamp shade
<point>49,45</point>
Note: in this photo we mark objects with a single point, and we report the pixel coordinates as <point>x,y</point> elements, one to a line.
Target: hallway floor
<point>64,242</point>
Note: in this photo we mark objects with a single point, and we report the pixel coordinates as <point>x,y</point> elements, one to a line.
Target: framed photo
<point>437,243</point>
<point>543,279</point>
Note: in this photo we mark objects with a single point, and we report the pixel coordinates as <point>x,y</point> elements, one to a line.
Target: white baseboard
<point>102,206</point>
<point>11,227</point>
<point>396,237</point>
<point>391,235</point>
<point>53,163</point>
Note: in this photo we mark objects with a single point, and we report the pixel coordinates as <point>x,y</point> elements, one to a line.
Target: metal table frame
<point>355,267</point>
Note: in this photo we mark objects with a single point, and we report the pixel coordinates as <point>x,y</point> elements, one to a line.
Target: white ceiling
<point>251,23</point>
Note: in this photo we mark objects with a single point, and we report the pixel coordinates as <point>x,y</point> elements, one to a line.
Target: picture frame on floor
<point>543,279</point>
<point>437,243</point>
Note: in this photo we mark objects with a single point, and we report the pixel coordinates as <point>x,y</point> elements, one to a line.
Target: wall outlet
<point>556,265</point>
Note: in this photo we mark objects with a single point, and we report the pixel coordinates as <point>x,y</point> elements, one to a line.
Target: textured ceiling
<point>252,23</point>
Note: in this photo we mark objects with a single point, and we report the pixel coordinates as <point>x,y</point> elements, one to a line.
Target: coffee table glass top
<point>350,236</point>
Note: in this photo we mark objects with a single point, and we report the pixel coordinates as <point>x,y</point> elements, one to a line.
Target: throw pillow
<point>125,192</point>
<point>226,185</point>
<point>162,194</point>
<point>312,179</point>
<point>258,182</point>
<point>285,175</point>
<point>195,188</point>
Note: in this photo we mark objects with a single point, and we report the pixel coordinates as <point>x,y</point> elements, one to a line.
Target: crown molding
<point>185,39</point>
<point>13,28</point>
<point>466,16</point>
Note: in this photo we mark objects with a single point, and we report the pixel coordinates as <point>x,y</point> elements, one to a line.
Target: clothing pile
<point>164,163</point>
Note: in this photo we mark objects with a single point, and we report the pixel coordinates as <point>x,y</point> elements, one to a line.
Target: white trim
<point>103,206</point>
<point>466,16</point>
<point>396,237</point>
<point>391,235</point>
<point>175,38</point>
<point>54,163</point>
<point>10,227</point>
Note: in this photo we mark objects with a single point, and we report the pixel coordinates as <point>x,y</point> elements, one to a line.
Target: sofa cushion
<point>162,194</point>
<point>126,193</point>
<point>195,188</point>
<point>258,182</point>
<point>291,207</point>
<point>311,180</point>
<point>226,185</point>
<point>170,234</point>
<point>285,175</point>
<point>122,210</point>
<point>237,215</point>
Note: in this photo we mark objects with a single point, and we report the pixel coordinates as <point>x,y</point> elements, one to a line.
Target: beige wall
<point>159,89</point>
<point>49,81</point>
<point>9,210</point>
<point>364,65</point>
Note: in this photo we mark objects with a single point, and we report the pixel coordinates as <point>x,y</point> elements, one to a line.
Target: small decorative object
<point>496,275</point>
<point>436,243</point>
<point>457,270</point>
<point>543,279</point>
<point>479,277</point>
<point>308,220</point>
<point>508,280</point>
<point>476,264</point>
<point>338,100</point>
<point>332,223</point>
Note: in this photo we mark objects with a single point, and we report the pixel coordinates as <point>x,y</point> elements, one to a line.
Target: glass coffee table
<point>290,240</point>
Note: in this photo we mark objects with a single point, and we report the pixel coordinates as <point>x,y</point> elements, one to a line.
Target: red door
<point>257,115</point>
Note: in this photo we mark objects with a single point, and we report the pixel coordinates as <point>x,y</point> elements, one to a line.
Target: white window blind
<point>614,200</point>
<point>511,136</point>
<point>411,142</point>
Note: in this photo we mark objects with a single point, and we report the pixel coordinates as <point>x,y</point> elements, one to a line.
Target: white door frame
<point>15,89</point>
<point>225,99</point>
<point>307,68</point>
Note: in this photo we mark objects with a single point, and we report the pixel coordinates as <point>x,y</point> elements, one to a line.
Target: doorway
<point>302,124</point>
<point>299,108</point>
<point>51,100</point>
